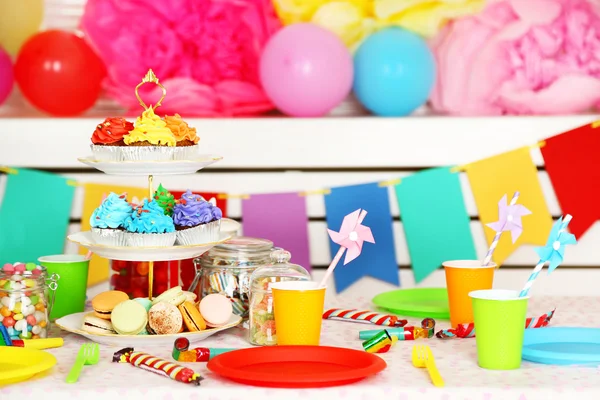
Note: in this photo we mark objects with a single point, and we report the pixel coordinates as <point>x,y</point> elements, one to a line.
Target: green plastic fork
<point>89,354</point>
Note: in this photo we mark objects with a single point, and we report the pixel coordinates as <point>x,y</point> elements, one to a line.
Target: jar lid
<point>244,243</point>
<point>279,270</point>
<point>239,252</point>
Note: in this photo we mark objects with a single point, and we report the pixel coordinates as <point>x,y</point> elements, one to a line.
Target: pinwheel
<point>553,252</point>
<point>509,220</point>
<point>351,237</point>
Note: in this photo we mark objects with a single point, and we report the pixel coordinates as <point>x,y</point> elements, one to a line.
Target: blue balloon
<point>394,72</point>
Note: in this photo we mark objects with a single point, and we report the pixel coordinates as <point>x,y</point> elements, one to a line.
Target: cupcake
<point>148,226</point>
<point>107,139</point>
<point>186,147</point>
<point>150,139</point>
<point>196,220</point>
<point>108,220</point>
<point>164,199</point>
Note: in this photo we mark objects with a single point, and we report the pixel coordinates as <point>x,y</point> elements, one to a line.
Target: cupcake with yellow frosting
<point>150,139</point>
<point>186,147</point>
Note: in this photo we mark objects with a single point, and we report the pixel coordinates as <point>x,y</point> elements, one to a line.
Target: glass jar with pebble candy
<point>262,328</point>
<point>26,295</point>
<point>226,269</point>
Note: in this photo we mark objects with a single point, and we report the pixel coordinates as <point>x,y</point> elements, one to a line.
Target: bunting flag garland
<point>436,224</point>
<point>510,172</point>
<point>435,220</point>
<point>93,195</point>
<point>376,261</point>
<point>281,218</point>
<point>34,204</point>
<point>572,164</point>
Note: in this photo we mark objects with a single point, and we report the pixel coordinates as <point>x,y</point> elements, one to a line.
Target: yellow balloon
<point>19,19</point>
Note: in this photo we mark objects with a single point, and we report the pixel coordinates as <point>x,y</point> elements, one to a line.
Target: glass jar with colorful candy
<point>262,327</point>
<point>26,295</point>
<point>226,269</point>
<point>131,277</point>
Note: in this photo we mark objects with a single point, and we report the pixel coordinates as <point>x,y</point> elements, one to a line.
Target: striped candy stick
<point>365,317</point>
<point>494,244</point>
<point>540,265</point>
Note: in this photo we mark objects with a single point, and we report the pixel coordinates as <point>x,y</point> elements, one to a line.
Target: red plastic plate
<point>296,366</point>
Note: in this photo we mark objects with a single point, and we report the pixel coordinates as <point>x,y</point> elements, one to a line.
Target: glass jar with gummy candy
<point>262,329</point>
<point>26,298</point>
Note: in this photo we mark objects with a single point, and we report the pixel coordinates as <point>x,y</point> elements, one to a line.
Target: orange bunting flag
<point>503,175</point>
<point>93,196</point>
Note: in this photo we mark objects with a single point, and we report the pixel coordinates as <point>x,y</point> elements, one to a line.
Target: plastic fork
<point>89,354</point>
<point>422,357</point>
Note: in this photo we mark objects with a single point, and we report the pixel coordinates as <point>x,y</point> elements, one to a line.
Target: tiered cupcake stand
<point>150,254</point>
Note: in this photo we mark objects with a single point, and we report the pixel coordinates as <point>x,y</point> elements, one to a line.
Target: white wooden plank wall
<point>280,155</point>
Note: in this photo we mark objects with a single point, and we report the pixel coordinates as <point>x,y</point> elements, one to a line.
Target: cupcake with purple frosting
<point>196,220</point>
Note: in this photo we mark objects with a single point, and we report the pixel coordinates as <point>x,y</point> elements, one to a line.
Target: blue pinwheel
<point>554,250</point>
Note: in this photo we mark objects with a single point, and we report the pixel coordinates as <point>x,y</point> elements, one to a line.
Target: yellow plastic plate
<point>20,363</point>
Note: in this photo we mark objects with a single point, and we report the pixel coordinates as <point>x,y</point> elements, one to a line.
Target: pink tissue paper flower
<point>520,57</point>
<point>205,52</point>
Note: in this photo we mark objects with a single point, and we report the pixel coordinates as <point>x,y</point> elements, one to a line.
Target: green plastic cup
<point>499,327</point>
<point>72,284</point>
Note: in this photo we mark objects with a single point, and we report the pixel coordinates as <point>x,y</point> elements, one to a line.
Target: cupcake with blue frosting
<point>108,220</point>
<point>196,220</point>
<point>148,226</point>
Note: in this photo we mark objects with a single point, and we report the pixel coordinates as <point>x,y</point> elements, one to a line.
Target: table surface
<point>455,358</point>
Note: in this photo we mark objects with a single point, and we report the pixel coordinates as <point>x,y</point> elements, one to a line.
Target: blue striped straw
<point>540,265</point>
<point>490,252</point>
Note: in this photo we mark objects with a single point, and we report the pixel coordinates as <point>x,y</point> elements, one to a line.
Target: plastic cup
<point>298,307</point>
<point>72,285</point>
<point>499,327</point>
<point>463,277</point>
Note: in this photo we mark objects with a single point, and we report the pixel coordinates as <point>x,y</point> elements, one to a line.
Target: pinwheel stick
<point>540,265</point>
<point>494,244</point>
<point>339,255</point>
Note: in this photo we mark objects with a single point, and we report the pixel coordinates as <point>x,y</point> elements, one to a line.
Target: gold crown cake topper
<point>150,78</point>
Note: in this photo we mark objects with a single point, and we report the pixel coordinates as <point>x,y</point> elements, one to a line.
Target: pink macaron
<point>216,309</point>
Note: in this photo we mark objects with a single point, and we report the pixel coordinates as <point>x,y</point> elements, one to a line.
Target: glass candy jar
<point>262,329</point>
<point>26,298</point>
<point>226,269</point>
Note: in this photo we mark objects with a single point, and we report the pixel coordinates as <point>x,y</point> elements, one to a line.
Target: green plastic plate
<point>431,302</point>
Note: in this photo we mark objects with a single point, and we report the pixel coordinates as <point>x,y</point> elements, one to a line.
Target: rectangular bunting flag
<point>281,218</point>
<point>572,164</point>
<point>377,260</point>
<point>34,215</point>
<point>436,223</point>
<point>505,174</point>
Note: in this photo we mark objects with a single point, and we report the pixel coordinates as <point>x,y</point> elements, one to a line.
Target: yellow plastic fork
<point>422,357</point>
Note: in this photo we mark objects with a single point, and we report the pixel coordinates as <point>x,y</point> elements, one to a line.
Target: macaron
<point>165,319</point>
<point>216,309</point>
<point>145,302</point>
<point>104,302</point>
<point>175,296</point>
<point>191,317</point>
<point>93,324</point>
<point>129,318</point>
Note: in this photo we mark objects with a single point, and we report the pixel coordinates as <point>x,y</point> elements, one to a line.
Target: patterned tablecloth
<point>456,360</point>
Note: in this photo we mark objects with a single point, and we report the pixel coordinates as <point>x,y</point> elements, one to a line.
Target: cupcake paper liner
<point>204,233</point>
<point>107,153</point>
<point>147,153</point>
<point>150,239</point>
<point>109,237</point>
<point>186,152</point>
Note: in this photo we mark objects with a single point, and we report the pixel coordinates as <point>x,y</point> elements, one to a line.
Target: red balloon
<point>59,73</point>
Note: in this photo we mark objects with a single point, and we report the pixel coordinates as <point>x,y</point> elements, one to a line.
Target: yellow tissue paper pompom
<point>354,20</point>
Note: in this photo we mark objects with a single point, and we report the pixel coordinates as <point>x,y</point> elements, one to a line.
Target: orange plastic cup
<point>298,307</point>
<point>463,277</point>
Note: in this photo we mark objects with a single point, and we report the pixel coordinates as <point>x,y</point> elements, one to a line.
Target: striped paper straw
<point>540,265</point>
<point>490,253</point>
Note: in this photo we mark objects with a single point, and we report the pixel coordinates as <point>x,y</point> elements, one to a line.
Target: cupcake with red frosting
<point>107,139</point>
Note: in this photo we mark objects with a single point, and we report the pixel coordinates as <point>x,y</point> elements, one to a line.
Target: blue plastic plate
<point>562,346</point>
